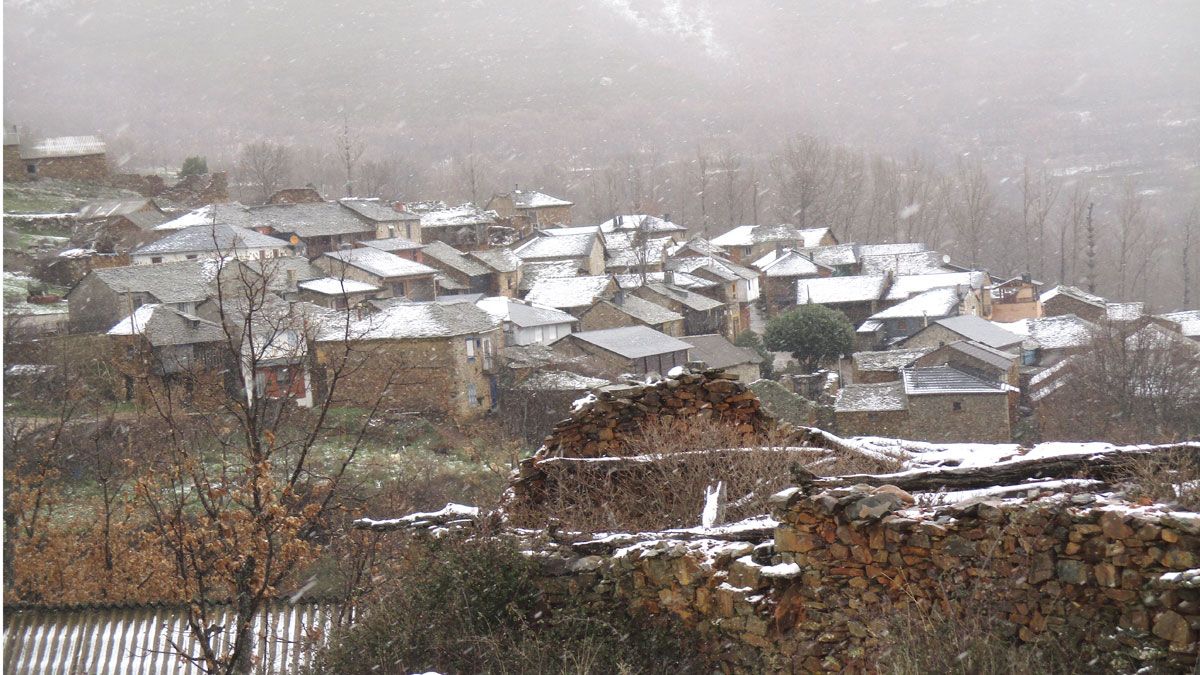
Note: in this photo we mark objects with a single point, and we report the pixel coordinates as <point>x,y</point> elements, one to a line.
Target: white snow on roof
<point>554,380</point>
<point>65,146</point>
<point>556,246</point>
<point>331,286</point>
<point>407,320</point>
<point>640,222</point>
<point>523,314</point>
<point>1124,311</point>
<point>791,264</point>
<point>834,290</point>
<point>135,323</point>
<point>743,235</point>
<point>380,263</point>
<point>1072,292</point>
<point>531,199</point>
<point>232,213</point>
<point>464,214</point>
<point>907,286</point>
<point>567,292</point>
<point>1188,320</point>
<point>1054,332</point>
<point>632,342</point>
<point>871,397</point>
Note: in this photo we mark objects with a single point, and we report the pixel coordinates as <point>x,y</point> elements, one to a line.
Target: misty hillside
<point>1083,83</point>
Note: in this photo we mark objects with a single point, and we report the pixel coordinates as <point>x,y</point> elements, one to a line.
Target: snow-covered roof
<point>984,353</point>
<point>644,310</point>
<point>632,342</point>
<point>499,259</point>
<point>882,397</point>
<point>407,320</point>
<point>1073,292</point>
<point>981,330</point>
<point>532,199</point>
<point>310,219</point>
<point>380,263</point>
<point>562,231</point>
<point>689,299</point>
<point>218,238</point>
<point>568,292</point>
<point>1188,320</point>
<point>107,208</point>
<point>523,314</point>
<point>714,266</point>
<point>838,290</point>
<point>742,235</point>
<point>717,352</point>
<point>392,244</point>
<point>833,256</point>
<point>623,252</point>
<point>748,235</point>
<point>533,272</point>
<point>1054,332</point>
<point>1124,311</point>
<point>791,264</point>
<point>331,286</point>
<point>376,210</point>
<point>173,282</point>
<point>892,359</point>
<point>922,262</point>
<point>947,380</point>
<point>937,302</point>
<point>558,380</point>
<point>907,286</point>
<point>697,244</point>
<point>163,325</point>
<point>458,216</point>
<point>652,224</point>
<point>890,249</point>
<point>65,146</point>
<point>454,259</point>
<point>232,213</point>
<point>553,247</point>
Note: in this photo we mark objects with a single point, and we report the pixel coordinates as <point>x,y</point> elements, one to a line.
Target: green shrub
<point>461,605</point>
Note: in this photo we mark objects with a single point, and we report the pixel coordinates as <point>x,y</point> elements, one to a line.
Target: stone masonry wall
<point>815,592</point>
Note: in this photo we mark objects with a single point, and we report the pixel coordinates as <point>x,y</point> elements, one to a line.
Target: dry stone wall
<point>815,593</point>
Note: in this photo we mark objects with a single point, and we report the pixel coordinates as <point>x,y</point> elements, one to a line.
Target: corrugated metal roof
<point>65,146</point>
<point>136,640</point>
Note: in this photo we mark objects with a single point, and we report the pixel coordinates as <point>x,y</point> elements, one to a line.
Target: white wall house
<point>202,242</point>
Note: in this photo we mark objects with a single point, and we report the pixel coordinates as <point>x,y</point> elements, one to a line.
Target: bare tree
<point>729,163</point>
<point>1074,219</point>
<point>350,148</point>
<point>1131,233</point>
<point>701,166</point>
<point>1038,195</point>
<point>973,205</point>
<point>389,178</point>
<point>1190,224</point>
<point>267,166</point>
<point>801,171</point>
<point>1089,225</point>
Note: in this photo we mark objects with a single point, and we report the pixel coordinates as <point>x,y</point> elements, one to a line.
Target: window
<point>958,406</point>
<point>472,395</point>
<point>747,250</point>
<point>902,324</point>
<point>156,259</point>
<point>470,349</point>
<point>191,256</point>
<point>31,169</point>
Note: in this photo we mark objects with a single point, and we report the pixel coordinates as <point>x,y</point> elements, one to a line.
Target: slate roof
<point>719,267</point>
<point>694,301</point>
<point>532,199</point>
<point>1054,332</point>
<point>454,259</point>
<point>882,397</point>
<point>380,263</point>
<point>791,264</point>
<point>1188,320</point>
<point>906,286</point>
<point>232,213</point>
<point>890,249</point>
<point>65,146</point>
<point>748,235</point>
<point>533,272</point>
<point>376,211</point>
<point>984,353</point>
<point>981,330</point>
<point>144,220</point>
<point>309,219</point>
<point>399,320</point>
<point>163,326</point>
<point>622,252</point>
<point>833,256</point>
<point>1124,311</point>
<point>551,247</point>
<point>523,314</point>
<point>173,282</point>
<point>937,302</point>
<point>631,342</point>
<point>393,244</point>
<point>839,290</point>
<point>299,268</point>
<point>644,310</point>
<point>567,292</point>
<point>893,359</point>
<point>1074,293</point>
<point>699,245</point>
<point>717,352</point>
<point>947,380</point>
<point>558,380</point>
<point>499,259</point>
<point>209,238</point>
<point>331,286</point>
<point>107,208</point>
<point>652,224</point>
<point>923,262</point>
<point>458,216</point>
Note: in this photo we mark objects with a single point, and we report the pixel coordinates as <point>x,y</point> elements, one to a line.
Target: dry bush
<point>1171,476</point>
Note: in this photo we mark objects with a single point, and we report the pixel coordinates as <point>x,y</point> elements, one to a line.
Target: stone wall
<point>85,168</point>
<point>981,418</point>
<point>813,589</point>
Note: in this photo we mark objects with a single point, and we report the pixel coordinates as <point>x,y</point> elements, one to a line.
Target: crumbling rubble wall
<point>815,593</point>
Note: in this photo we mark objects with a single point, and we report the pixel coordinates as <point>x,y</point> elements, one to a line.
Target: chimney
<point>1027,277</point>
<point>619,297</point>
<point>398,207</point>
<point>669,276</point>
<point>291,278</point>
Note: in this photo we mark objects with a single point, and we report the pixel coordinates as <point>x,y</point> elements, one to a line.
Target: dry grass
<point>1171,476</point>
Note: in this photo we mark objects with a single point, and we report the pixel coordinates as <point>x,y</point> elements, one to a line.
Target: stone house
<point>124,232</point>
<point>210,242</point>
<point>110,208</point>
<point>697,246</point>
<point>652,226</point>
<point>897,323</point>
<point>14,168</point>
<point>529,210</point>
<point>79,158</point>
<point>390,222</point>
<point>717,352</point>
<point>629,349</point>
<point>1062,300</point>
<point>901,264</point>
<point>751,242</point>
<point>468,274</point>
<point>314,228</point>
<point>1048,340</point>
<point>1012,300</point>
<point>586,250</point>
<point>1187,321</point>
<point>466,227</point>
<point>334,293</point>
<point>629,310</point>
<point>872,409</point>
<point>630,252</point>
<point>875,367</point>
<point>966,327</point>
<point>160,346</point>
<point>571,294</point>
<point>420,357</point>
<point>106,295</point>
<point>398,277</point>
<point>702,315</point>
<point>975,359</point>
<point>736,286</point>
<point>781,275</point>
<point>506,268</point>
<point>947,404</point>
<point>858,297</point>
<point>527,324</point>
<point>279,276</point>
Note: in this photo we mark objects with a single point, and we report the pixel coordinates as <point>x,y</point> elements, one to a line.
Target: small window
<point>472,395</point>
<point>958,406</point>
<point>191,256</point>
<point>156,259</point>
<point>747,250</point>
<point>470,349</point>
<point>31,169</point>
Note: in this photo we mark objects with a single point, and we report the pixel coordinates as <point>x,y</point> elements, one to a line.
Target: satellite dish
<point>946,259</point>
